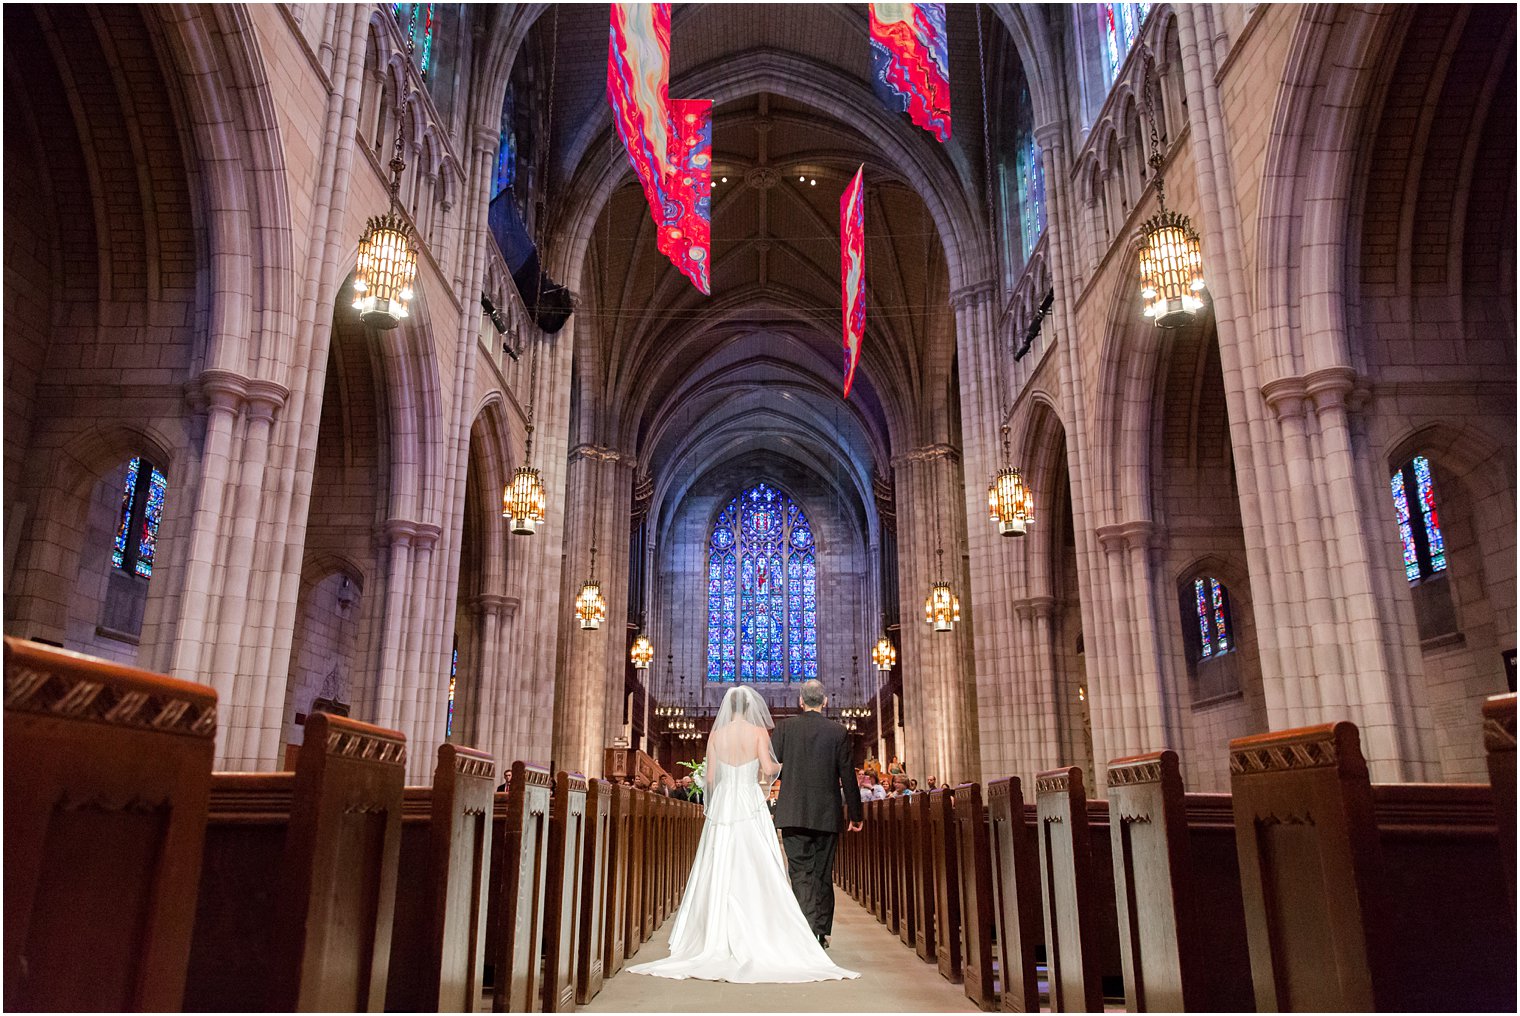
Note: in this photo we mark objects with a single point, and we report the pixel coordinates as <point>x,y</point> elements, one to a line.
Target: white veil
<point>740,735</point>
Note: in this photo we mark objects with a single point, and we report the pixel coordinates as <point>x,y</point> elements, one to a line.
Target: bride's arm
<point>769,767</point>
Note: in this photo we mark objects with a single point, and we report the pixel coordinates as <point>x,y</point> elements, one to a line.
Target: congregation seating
<point>332,887</point>
<point>1204,901</point>
<point>336,887</point>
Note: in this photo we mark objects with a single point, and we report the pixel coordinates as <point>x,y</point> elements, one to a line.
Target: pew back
<point>947,886</point>
<point>438,943</point>
<point>977,897</point>
<point>1177,881</point>
<point>596,873</point>
<point>520,842</point>
<point>1070,895</point>
<point>562,909</point>
<point>107,776</point>
<point>1016,883</point>
<point>1499,743</point>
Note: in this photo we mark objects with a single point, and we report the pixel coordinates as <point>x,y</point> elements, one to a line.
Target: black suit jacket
<point>816,775</point>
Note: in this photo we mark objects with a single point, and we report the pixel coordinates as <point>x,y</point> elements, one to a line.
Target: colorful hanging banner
<point>852,273</point>
<point>686,199</point>
<point>638,89</point>
<point>910,63</point>
<point>669,143</point>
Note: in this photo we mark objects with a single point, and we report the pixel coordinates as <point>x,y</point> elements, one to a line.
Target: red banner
<point>669,144</point>
<point>910,63</point>
<point>852,272</point>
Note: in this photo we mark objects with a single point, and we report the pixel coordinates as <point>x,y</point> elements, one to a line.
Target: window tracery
<point>762,590</point>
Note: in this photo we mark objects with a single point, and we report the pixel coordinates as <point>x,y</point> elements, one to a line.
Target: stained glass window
<point>506,155</point>
<point>448,729</point>
<point>417,21</point>
<point>142,509</point>
<point>1424,546</point>
<point>1029,176</point>
<point>1119,25</point>
<point>762,590</point>
<point>1213,618</point>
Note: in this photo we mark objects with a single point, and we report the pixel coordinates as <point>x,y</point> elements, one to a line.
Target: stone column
<point>937,687</point>
<point>388,689</point>
<point>585,711</point>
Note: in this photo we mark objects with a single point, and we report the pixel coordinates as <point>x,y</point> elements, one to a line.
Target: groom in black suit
<point>816,778</point>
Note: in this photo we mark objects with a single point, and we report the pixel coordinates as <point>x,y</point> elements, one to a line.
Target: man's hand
<point>854,827</point>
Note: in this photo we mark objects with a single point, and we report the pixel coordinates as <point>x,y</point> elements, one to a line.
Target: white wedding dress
<point>738,920</point>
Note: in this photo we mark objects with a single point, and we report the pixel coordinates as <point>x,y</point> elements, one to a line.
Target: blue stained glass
<point>1222,642</point>
<point>1406,530</point>
<point>762,579</point>
<point>158,484</point>
<point>1427,496</point>
<point>128,492</point>
<point>428,25</point>
<point>1203,618</point>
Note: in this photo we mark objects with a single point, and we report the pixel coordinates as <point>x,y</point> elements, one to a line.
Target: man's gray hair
<point>813,695</point>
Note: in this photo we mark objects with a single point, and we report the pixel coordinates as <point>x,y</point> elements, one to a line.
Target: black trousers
<point>810,862</point>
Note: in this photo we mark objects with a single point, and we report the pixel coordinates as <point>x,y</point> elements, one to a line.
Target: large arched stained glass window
<point>762,590</point>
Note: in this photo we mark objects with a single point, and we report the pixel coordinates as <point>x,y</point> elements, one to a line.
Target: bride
<point>738,920</point>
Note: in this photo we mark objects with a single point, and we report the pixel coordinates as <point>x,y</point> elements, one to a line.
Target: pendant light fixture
<point>524,500</point>
<point>884,653</point>
<point>1171,256</point>
<point>1009,502</point>
<point>669,709</point>
<point>942,608</point>
<point>642,652</point>
<point>386,266</point>
<point>590,607</point>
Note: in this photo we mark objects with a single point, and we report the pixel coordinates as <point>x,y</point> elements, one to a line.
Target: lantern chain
<point>1156,159</point>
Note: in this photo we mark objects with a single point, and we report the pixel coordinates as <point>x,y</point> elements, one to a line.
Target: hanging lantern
<point>523,501</point>
<point>387,262</point>
<point>385,271</point>
<point>1171,269</point>
<point>590,608</point>
<point>942,609</point>
<point>884,653</point>
<point>642,652</point>
<point>1009,502</point>
<point>1171,257</point>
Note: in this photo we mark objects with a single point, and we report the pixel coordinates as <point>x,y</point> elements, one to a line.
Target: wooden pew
<point>978,898</point>
<point>1016,881</point>
<point>438,939</point>
<point>1182,927</point>
<point>902,874</point>
<point>620,842</point>
<point>922,835</point>
<point>515,916</point>
<point>947,885</point>
<point>299,882</point>
<point>596,871</point>
<point>1070,892</point>
<point>562,888</point>
<point>107,776</point>
<point>1407,911</point>
<point>639,920</point>
<point>1499,742</point>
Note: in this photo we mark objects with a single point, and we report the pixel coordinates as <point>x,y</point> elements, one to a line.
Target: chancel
<point>473,472</point>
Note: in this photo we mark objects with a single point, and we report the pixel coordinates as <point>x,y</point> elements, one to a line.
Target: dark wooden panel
<point>107,777</point>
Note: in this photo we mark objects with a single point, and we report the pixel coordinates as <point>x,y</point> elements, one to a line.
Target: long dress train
<point>739,920</point>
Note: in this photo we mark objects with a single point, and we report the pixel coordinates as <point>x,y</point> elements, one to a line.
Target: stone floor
<point>893,979</point>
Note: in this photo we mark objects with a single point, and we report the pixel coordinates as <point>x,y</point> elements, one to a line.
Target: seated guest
<point>913,786</point>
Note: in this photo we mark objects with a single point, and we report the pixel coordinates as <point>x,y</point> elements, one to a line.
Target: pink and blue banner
<point>910,63</point>
<point>686,199</point>
<point>669,144</point>
<point>852,273</point>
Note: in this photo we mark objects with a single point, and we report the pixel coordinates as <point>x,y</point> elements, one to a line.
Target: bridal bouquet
<point>698,773</point>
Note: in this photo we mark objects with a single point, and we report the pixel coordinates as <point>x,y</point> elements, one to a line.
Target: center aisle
<point>892,979</point>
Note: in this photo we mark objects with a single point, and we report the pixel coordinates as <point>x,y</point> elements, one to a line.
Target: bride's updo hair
<point>743,705</point>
